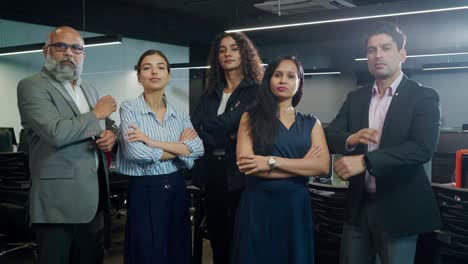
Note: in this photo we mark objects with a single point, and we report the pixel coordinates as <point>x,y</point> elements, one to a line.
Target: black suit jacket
<point>220,132</point>
<point>408,140</point>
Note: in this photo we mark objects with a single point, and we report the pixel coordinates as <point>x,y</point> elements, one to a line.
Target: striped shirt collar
<point>145,109</point>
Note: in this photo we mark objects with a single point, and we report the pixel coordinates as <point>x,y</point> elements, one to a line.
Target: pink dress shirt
<point>377,112</point>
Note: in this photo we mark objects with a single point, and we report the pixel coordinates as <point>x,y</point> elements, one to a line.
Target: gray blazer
<point>62,151</point>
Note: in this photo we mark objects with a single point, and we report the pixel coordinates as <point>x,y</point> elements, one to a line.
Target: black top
<point>220,132</point>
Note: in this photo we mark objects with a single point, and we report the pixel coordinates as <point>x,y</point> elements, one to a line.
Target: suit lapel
<point>234,98</point>
<point>62,90</point>
<point>396,108</point>
<point>365,104</point>
<point>92,100</point>
<point>89,97</point>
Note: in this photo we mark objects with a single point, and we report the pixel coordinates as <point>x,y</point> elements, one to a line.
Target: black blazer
<point>220,132</point>
<point>408,140</point>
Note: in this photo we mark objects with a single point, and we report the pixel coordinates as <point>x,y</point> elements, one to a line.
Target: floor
<point>113,256</point>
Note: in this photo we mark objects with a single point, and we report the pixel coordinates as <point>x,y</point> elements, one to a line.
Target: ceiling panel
<point>195,22</point>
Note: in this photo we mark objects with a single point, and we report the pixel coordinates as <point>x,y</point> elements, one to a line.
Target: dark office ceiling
<point>221,10</point>
<point>194,22</point>
<point>171,21</point>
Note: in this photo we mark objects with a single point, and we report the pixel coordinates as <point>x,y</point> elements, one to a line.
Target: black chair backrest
<point>453,206</point>
<point>328,203</point>
<point>15,182</point>
<point>14,171</point>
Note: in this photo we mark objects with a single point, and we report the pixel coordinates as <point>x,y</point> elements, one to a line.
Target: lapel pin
<point>396,94</point>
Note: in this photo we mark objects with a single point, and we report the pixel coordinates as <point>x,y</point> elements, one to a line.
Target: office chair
<point>453,237</point>
<point>118,187</point>
<point>198,219</point>
<point>14,197</point>
<point>328,203</point>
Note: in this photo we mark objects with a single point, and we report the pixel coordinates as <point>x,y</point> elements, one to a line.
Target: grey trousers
<point>71,243</point>
<point>362,244</point>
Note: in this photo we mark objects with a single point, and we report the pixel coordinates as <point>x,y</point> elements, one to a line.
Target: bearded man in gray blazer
<point>67,129</point>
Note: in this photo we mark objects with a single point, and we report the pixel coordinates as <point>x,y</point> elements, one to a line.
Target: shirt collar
<point>393,86</point>
<point>145,109</point>
<point>77,83</point>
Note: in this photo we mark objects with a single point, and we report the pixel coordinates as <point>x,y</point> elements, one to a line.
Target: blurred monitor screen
<point>450,142</point>
<point>443,167</point>
<point>12,132</point>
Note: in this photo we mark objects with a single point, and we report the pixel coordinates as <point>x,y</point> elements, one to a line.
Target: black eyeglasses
<point>62,47</point>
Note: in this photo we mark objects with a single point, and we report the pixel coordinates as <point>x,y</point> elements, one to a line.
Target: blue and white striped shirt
<point>138,159</point>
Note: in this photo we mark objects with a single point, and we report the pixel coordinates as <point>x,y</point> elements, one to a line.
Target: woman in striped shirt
<point>157,141</point>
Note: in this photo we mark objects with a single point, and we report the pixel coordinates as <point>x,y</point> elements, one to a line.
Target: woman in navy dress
<point>278,148</point>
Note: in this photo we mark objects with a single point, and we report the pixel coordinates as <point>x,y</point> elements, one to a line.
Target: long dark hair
<point>250,61</point>
<point>263,117</point>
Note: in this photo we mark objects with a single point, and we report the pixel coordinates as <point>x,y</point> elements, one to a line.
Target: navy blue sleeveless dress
<point>274,218</point>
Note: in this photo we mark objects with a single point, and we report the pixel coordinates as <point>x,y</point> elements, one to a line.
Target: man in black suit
<point>387,131</point>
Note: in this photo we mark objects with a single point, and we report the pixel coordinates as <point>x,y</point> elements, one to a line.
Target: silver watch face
<point>271,162</point>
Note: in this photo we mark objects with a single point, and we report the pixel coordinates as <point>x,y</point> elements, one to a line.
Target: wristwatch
<point>272,163</point>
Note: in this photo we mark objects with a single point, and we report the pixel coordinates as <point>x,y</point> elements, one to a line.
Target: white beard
<point>63,72</point>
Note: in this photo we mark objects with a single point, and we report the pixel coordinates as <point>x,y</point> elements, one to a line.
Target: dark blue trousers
<point>158,223</point>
